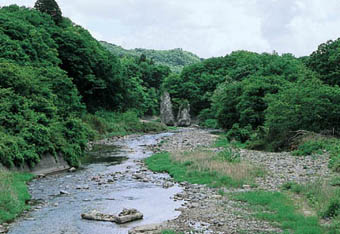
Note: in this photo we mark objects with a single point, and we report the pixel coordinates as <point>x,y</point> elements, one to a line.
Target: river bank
<point>215,210</point>
<point>116,177</point>
<point>119,181</point>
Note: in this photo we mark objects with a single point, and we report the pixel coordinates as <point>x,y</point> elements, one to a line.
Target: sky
<point>208,28</point>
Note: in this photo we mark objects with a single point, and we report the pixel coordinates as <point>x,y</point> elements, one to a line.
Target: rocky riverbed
<point>117,178</point>
<point>206,211</point>
<point>113,178</point>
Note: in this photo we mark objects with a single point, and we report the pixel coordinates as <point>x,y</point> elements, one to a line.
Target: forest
<point>57,82</point>
<point>60,88</point>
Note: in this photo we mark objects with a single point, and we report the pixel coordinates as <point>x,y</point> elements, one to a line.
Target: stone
<point>183,117</point>
<point>167,116</point>
<point>128,215</point>
<point>167,185</point>
<point>146,229</point>
<point>72,169</point>
<point>2,229</point>
<point>97,216</point>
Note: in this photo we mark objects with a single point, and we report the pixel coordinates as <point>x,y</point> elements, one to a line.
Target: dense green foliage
<point>326,62</point>
<point>52,74</point>
<point>120,124</point>
<point>198,82</point>
<point>40,106</point>
<point>176,59</point>
<point>306,105</point>
<point>263,99</point>
<point>50,7</point>
<point>13,194</point>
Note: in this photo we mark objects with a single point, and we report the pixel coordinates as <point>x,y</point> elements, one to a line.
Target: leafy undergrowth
<point>119,124</point>
<point>277,208</point>
<point>13,194</point>
<point>203,167</point>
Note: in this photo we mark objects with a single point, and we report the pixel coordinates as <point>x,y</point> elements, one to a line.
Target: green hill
<point>176,59</point>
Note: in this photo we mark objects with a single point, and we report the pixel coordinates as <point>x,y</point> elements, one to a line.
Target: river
<point>112,179</point>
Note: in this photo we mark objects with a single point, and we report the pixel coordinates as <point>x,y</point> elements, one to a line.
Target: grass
<point>13,194</point>
<point>323,197</point>
<point>278,208</point>
<point>119,124</point>
<point>168,232</point>
<point>201,167</point>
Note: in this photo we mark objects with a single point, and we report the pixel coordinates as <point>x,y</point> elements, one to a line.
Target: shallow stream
<point>112,178</point>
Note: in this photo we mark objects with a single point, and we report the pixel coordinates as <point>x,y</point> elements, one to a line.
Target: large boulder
<point>167,116</point>
<point>183,117</point>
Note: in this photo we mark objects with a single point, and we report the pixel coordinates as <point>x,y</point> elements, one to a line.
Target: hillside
<point>176,59</point>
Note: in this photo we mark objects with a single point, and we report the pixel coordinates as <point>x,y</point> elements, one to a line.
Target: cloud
<point>207,28</point>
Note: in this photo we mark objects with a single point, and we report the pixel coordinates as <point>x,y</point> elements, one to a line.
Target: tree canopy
<point>49,7</point>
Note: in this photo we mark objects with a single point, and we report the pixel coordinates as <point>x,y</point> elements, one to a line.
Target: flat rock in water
<point>97,216</point>
<point>127,215</point>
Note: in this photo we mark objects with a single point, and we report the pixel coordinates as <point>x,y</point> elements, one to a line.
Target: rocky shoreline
<point>206,211</point>
<point>203,209</point>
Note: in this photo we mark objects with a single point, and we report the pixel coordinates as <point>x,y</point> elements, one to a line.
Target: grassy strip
<point>321,196</point>
<point>276,207</point>
<point>13,194</point>
<point>119,124</point>
<point>201,167</point>
<point>168,232</point>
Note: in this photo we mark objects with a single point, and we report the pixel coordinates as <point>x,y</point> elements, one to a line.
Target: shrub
<point>306,105</point>
<point>333,208</point>
<point>229,155</point>
<point>239,134</point>
<point>309,148</point>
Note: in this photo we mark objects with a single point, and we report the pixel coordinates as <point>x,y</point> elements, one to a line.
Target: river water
<point>108,184</point>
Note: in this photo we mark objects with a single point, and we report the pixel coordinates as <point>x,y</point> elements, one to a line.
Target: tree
<point>326,61</point>
<point>49,7</point>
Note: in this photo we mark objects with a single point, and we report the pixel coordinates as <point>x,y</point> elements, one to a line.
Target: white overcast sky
<point>207,27</point>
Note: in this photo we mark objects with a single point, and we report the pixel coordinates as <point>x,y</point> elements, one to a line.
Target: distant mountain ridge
<point>176,59</point>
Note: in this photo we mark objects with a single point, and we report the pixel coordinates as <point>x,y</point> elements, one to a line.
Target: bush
<point>306,105</point>
<point>229,155</point>
<point>35,117</point>
<point>239,134</point>
<point>210,123</point>
<point>309,148</point>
